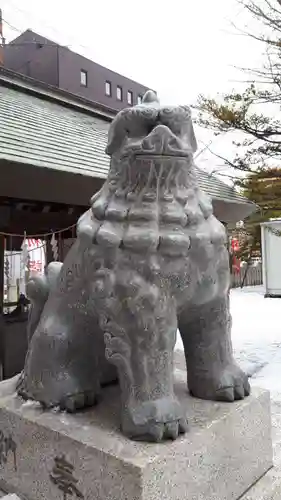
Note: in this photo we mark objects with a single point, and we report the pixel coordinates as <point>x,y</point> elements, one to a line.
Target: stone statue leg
<point>140,334</point>
<point>64,363</point>
<point>212,371</point>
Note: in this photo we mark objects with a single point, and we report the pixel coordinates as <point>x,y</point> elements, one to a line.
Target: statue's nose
<point>159,131</point>
<point>161,141</point>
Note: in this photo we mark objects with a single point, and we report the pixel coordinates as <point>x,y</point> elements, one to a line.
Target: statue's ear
<point>192,138</point>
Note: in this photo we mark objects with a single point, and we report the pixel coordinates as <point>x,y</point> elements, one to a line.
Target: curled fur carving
<point>38,289</point>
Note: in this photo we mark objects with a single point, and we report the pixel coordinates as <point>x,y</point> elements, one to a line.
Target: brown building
<point>40,58</point>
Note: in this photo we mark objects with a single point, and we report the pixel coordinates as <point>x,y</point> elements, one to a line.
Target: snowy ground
<point>256,336</point>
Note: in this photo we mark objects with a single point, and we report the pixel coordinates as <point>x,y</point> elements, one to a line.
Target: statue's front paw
<point>78,401</point>
<point>223,384</point>
<point>70,403</point>
<point>154,421</point>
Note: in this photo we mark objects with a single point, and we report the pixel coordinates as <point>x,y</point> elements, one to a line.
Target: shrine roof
<point>49,131</point>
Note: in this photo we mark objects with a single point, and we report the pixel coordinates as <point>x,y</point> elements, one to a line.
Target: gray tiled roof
<point>217,189</point>
<point>46,134</point>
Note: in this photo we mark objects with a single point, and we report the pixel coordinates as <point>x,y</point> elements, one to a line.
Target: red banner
<point>235,245</point>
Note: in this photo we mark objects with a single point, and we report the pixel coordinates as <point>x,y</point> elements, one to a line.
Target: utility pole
<point>2,40</point>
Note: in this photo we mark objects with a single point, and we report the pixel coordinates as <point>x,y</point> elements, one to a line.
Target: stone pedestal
<point>43,454</point>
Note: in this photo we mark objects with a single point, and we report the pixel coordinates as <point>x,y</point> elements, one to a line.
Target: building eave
<point>43,132</point>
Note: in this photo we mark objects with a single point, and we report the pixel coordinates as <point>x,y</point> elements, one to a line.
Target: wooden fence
<point>253,276</point>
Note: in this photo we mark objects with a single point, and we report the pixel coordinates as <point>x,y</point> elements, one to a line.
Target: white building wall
<point>271,257</point>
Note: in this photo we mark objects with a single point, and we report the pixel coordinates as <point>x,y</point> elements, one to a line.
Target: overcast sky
<point>180,48</point>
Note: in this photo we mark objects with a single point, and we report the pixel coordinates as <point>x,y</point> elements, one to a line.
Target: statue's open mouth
<point>161,155</point>
<point>156,156</point>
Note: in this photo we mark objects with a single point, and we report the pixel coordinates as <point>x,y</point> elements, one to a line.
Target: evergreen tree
<point>263,188</point>
<point>255,115</point>
<point>253,112</point>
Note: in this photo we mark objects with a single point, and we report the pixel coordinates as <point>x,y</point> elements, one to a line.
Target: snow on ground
<point>256,336</point>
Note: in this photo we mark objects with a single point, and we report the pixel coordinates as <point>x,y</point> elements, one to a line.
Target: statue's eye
<point>139,122</point>
<point>133,123</point>
<point>176,119</point>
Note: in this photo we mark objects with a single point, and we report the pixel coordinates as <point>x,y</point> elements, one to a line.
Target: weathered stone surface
<point>150,257</point>
<point>11,496</point>
<point>227,449</point>
<point>268,487</point>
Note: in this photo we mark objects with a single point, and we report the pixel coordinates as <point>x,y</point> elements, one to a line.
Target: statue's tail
<point>38,289</point>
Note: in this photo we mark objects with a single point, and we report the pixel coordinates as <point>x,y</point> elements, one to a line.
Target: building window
<point>130,97</point>
<point>119,93</point>
<point>83,78</point>
<point>108,88</point>
<point>139,99</point>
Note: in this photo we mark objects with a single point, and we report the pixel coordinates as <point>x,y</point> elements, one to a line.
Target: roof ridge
<point>68,47</point>
<point>49,92</point>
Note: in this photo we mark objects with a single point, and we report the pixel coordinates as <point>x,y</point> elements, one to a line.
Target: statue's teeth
<point>100,205</point>
<point>174,243</point>
<point>144,212</point>
<point>117,210</point>
<point>110,234</point>
<point>141,237</point>
<point>87,227</point>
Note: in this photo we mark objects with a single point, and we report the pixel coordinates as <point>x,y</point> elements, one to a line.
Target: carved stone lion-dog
<point>150,258</point>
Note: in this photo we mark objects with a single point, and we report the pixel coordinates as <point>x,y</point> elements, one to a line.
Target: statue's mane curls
<point>151,193</point>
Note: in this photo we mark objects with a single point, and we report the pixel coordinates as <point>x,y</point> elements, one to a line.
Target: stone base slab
<point>268,487</point>
<point>49,455</point>
<point>11,496</point>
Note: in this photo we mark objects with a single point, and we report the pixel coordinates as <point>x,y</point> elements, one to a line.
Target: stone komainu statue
<point>150,257</point>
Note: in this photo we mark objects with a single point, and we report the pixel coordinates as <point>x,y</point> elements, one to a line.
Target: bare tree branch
<point>246,112</point>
